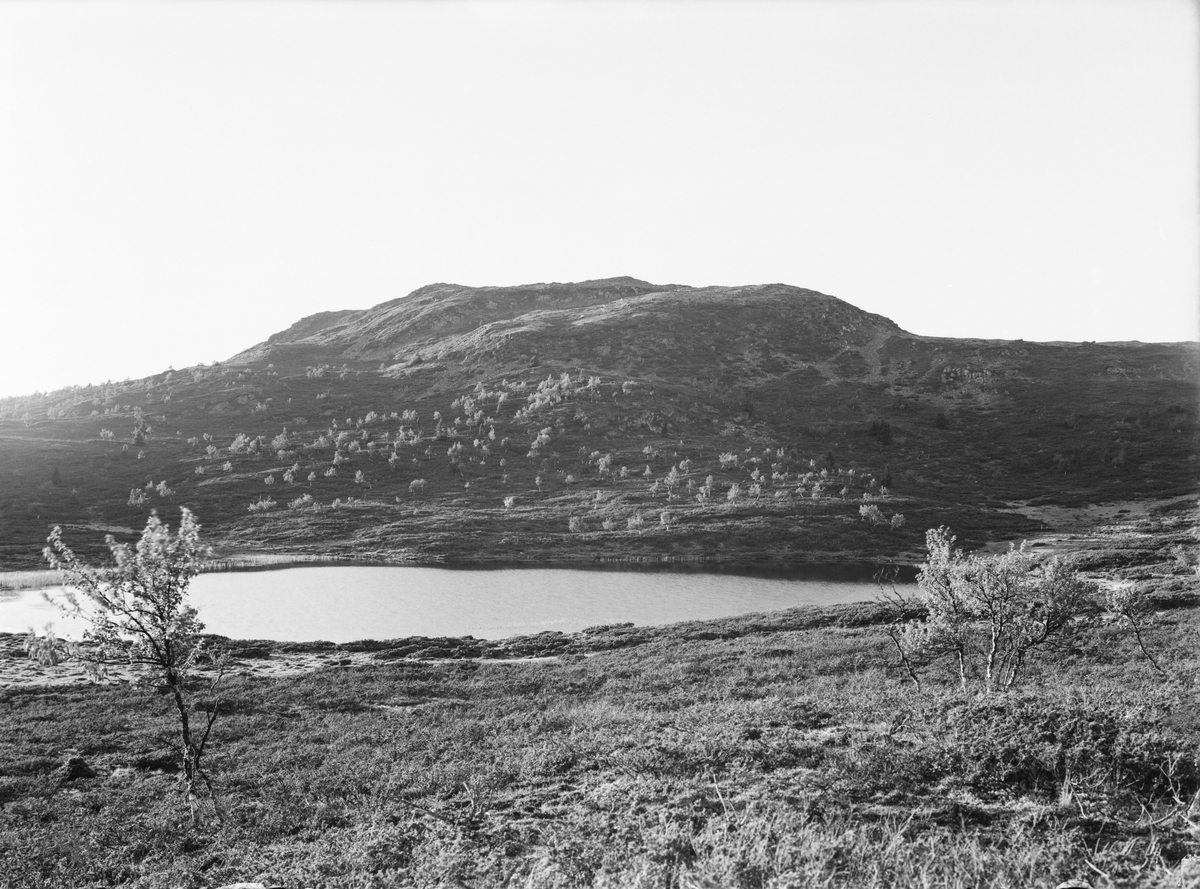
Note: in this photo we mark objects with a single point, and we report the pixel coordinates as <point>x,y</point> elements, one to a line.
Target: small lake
<point>344,603</point>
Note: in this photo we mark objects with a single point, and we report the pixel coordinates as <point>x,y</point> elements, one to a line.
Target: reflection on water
<point>344,603</point>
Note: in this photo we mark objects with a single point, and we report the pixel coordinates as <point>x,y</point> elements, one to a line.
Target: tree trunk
<point>191,758</point>
<point>1014,669</point>
<point>991,661</point>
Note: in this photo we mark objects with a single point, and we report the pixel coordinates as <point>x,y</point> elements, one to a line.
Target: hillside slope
<point>612,419</point>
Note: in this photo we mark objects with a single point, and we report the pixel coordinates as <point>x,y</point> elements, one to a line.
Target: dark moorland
<point>579,422</point>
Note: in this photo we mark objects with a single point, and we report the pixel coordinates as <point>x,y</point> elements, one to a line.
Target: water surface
<point>344,603</point>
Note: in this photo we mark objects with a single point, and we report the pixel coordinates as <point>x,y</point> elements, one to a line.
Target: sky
<point>180,180</point>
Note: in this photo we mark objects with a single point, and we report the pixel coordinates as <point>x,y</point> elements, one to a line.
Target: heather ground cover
<point>760,751</point>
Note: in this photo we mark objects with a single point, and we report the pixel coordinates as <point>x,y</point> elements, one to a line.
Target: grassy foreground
<point>764,751</point>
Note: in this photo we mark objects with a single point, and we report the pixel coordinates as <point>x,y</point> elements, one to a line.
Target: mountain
<point>602,409</point>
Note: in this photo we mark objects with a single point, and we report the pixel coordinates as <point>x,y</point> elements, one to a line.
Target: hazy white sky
<point>180,180</point>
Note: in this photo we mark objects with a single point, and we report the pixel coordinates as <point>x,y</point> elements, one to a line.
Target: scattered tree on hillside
<point>870,512</point>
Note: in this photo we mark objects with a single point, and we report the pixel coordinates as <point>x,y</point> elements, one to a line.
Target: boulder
<point>76,767</point>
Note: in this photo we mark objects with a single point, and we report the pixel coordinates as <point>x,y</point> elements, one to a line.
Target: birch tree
<point>136,613</point>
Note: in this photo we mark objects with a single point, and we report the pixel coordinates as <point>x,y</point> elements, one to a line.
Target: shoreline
<point>1065,530</point>
<point>857,569</point>
<point>266,658</point>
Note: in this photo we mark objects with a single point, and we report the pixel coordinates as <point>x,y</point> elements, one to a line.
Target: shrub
<point>1130,609</point>
<point>870,512</point>
<point>1030,745</point>
<point>990,614</point>
<point>49,650</point>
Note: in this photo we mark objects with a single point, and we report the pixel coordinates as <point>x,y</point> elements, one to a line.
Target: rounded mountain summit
<point>611,325</point>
